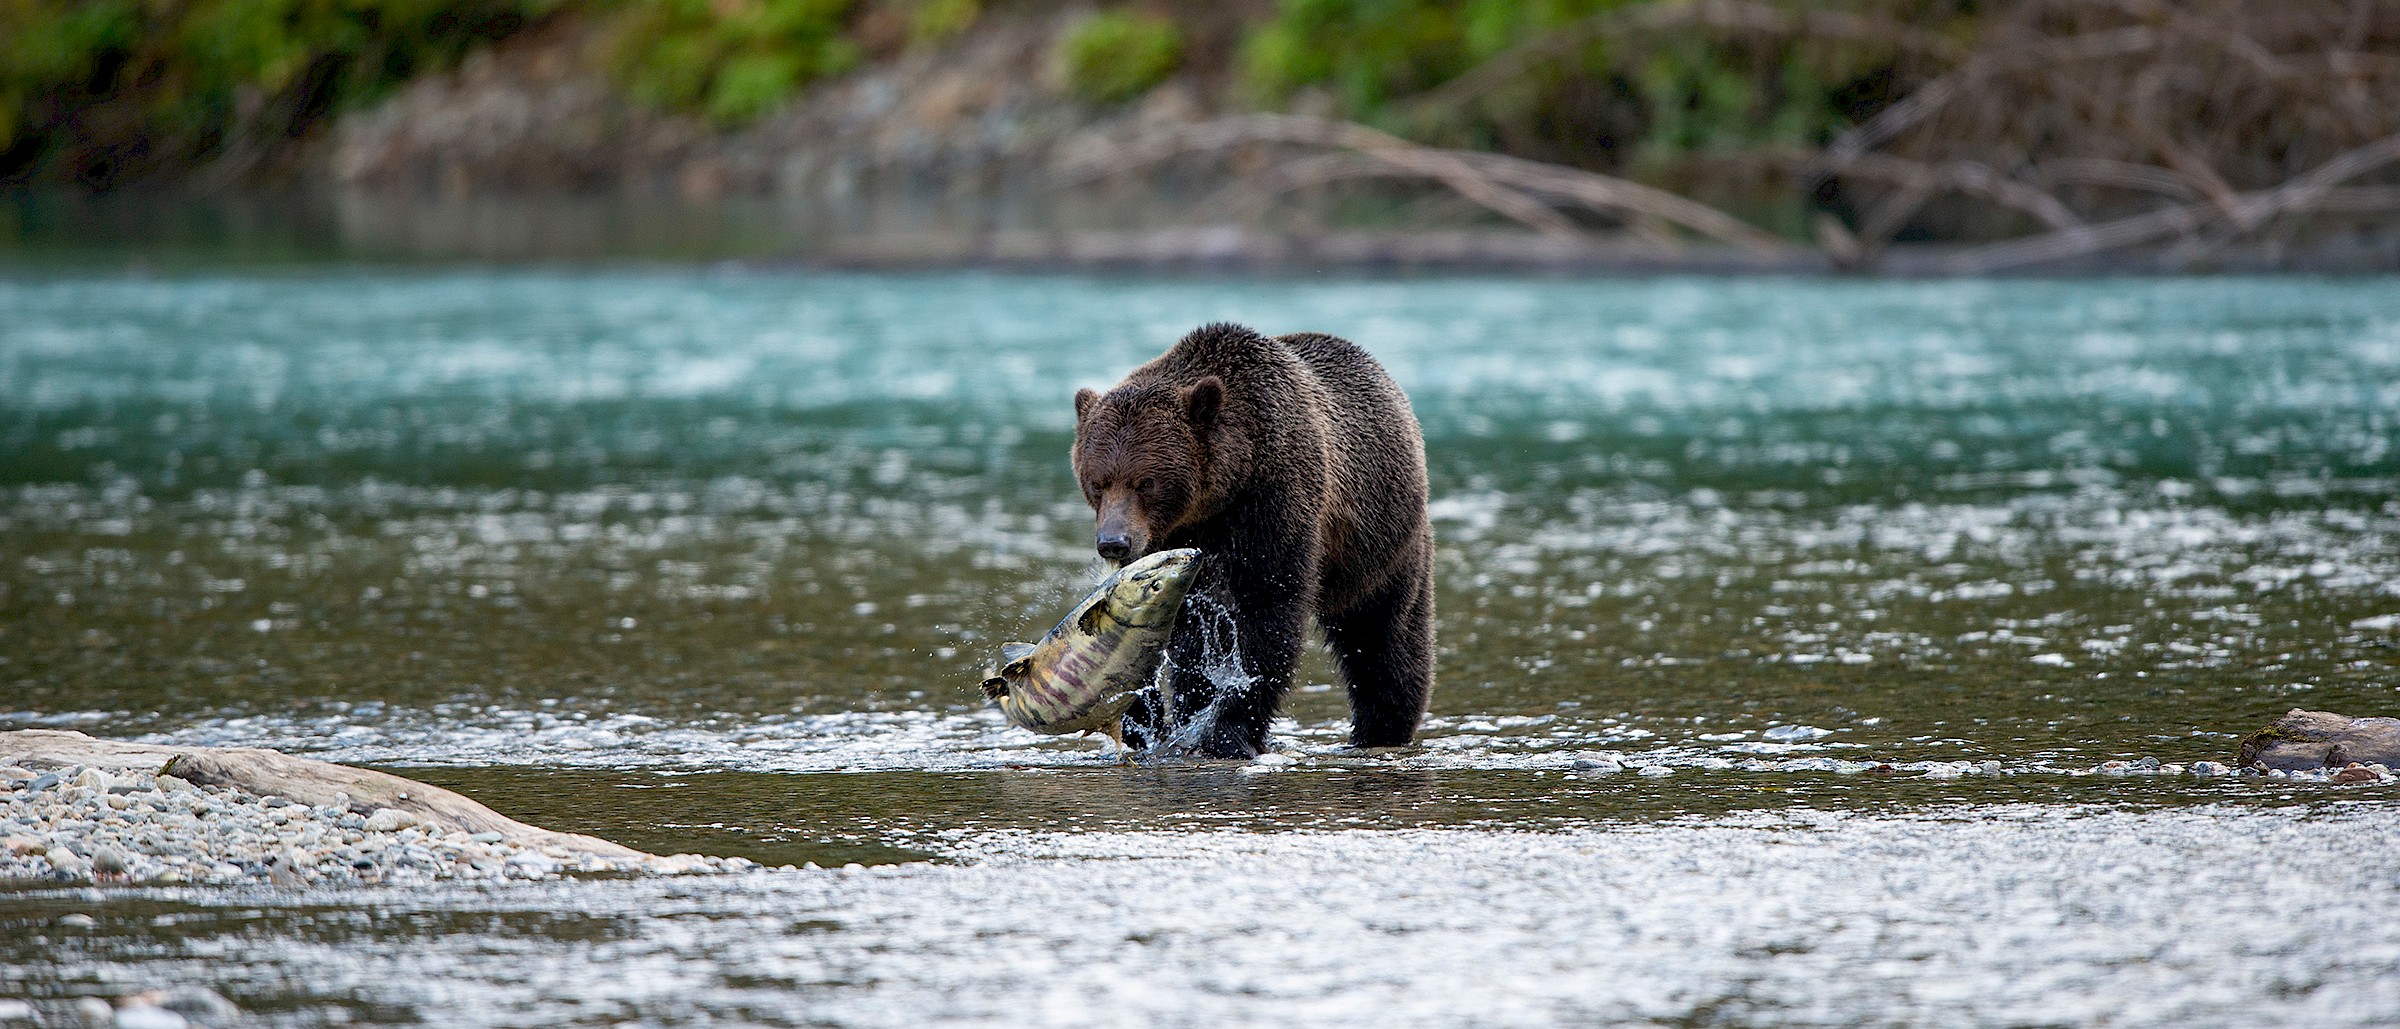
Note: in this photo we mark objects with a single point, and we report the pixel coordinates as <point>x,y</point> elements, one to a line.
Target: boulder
<point>317,783</point>
<point>2304,740</point>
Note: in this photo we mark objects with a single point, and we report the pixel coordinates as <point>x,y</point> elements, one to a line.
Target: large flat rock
<point>2302,740</point>
<point>315,783</point>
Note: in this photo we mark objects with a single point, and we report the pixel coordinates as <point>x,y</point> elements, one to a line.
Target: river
<point>1789,631</point>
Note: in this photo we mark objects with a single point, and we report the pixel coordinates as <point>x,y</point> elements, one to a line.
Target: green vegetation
<point>1629,92</point>
<point>932,22</point>
<point>1118,55</point>
<point>102,90</point>
<point>730,59</point>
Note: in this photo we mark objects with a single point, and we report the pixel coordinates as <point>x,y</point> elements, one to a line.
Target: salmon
<point>1092,665</point>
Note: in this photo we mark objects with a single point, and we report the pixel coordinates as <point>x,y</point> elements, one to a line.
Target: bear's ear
<point>1200,402</point>
<point>1084,399</point>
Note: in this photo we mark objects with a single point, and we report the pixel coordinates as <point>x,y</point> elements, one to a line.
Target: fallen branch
<point>1924,101</point>
<point>2315,191</point>
<point>1504,184</point>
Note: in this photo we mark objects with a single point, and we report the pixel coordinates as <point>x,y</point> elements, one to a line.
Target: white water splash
<point>1220,664</point>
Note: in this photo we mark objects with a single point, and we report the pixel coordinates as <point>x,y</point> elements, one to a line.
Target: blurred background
<point>1907,135</point>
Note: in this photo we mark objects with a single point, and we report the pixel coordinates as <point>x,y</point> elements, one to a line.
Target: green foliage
<point>123,82</point>
<point>731,59</point>
<point>1118,55</point>
<point>1373,51</point>
<point>1694,91</point>
<point>938,21</point>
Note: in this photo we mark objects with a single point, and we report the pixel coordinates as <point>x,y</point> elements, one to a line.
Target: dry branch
<point>1506,185</point>
<point>2313,192</point>
<point>2071,113</point>
<point>1929,98</point>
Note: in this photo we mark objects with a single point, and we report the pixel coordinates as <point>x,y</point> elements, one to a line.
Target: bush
<point>103,90</point>
<point>1118,55</point>
<point>1680,90</point>
<point>730,59</point>
<point>932,22</point>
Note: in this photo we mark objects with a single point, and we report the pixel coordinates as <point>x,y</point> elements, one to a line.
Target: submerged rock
<point>2306,740</point>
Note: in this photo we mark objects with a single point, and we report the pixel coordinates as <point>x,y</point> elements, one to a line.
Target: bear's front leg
<point>1262,614</point>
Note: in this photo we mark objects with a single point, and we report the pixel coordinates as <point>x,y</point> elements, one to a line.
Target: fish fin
<point>995,687</point>
<point>1017,669</point>
<point>1010,652</point>
<point>1090,621</point>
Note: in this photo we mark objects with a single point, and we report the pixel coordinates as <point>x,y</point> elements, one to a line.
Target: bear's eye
<point>1144,485</point>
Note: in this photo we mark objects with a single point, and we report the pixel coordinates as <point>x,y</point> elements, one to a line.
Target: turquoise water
<point>713,560</point>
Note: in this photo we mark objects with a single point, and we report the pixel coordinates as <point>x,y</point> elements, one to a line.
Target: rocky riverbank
<point>77,809</point>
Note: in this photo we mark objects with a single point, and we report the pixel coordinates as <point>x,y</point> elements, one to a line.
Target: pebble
<point>145,1017</point>
<point>88,826</point>
<point>198,1003</point>
<point>2358,773</point>
<point>389,819</point>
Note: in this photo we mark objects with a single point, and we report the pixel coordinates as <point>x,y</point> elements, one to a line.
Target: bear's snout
<point>1116,548</point>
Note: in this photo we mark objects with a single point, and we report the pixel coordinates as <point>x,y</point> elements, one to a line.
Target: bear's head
<point>1142,457</point>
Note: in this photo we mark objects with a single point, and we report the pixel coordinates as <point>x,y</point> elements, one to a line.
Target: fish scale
<point>1088,669</point>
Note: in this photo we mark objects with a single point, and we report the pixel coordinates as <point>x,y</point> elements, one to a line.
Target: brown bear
<point>1296,467</point>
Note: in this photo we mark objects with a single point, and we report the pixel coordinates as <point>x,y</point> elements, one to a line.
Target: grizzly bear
<point>1296,467</point>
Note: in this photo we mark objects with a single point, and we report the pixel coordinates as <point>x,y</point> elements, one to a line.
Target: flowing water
<point>1783,626</point>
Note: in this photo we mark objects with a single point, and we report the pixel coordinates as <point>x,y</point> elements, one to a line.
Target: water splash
<point>1220,665</point>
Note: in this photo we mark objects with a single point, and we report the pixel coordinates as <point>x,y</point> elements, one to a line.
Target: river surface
<point>1788,631</point>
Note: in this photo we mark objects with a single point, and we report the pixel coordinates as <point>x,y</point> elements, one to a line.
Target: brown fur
<point>1297,468</point>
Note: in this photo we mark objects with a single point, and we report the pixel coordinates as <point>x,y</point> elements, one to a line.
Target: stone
<point>2356,774</point>
<point>145,1017</point>
<point>200,1004</point>
<point>95,1012</point>
<point>386,819</point>
<point>2306,740</point>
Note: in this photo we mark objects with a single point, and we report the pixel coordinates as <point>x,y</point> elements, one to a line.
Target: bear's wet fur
<point>1297,468</point>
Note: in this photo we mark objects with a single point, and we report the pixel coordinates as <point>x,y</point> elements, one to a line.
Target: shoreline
<point>79,809</point>
<point>177,230</point>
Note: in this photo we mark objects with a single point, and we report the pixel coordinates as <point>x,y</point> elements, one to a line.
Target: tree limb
<point>2313,191</point>
<point>1501,183</point>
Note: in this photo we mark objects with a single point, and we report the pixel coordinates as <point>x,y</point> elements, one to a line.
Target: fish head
<point>1149,591</point>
